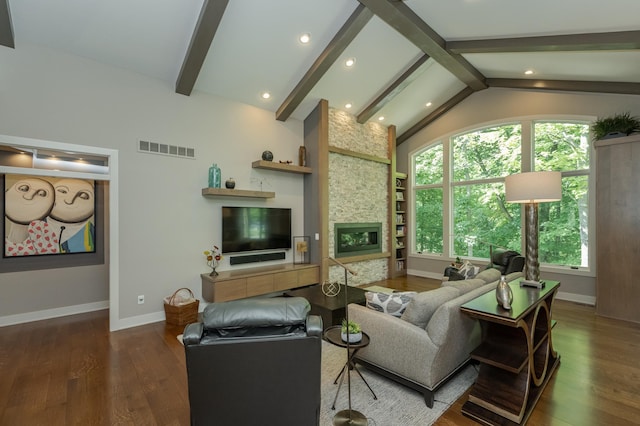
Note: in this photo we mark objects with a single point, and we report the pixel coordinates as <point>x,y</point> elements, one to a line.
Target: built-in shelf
<point>280,167</point>
<point>224,192</point>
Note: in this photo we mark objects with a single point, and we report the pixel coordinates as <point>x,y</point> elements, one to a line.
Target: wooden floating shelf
<point>224,192</point>
<point>281,167</point>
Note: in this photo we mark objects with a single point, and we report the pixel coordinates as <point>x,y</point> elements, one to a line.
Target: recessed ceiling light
<point>528,72</point>
<point>350,62</point>
<point>347,106</point>
<point>305,38</point>
<point>265,95</point>
<point>381,118</point>
<point>428,104</point>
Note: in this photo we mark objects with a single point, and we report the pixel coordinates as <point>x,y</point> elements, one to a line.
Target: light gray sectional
<point>432,339</point>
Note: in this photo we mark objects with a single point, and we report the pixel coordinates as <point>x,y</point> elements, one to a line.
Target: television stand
<point>241,283</point>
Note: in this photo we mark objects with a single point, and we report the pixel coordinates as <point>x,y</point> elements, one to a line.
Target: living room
<point>162,222</point>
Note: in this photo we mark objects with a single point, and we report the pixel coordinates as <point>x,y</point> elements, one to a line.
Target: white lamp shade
<point>533,187</point>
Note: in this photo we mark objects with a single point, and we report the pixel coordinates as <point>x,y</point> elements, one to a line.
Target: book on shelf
<point>400,230</point>
<point>400,265</point>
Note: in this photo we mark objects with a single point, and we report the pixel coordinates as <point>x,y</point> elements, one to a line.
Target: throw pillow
<point>389,303</point>
<point>423,305</point>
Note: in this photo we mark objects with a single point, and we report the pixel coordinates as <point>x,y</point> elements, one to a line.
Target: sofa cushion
<point>489,275</point>
<point>465,286</point>
<point>389,303</point>
<point>424,304</point>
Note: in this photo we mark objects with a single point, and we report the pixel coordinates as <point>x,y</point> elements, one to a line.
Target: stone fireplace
<point>355,239</point>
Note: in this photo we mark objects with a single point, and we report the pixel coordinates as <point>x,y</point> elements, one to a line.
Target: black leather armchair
<point>255,362</point>
<point>507,261</point>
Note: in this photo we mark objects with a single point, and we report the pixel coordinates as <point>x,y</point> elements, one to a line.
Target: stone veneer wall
<point>358,189</point>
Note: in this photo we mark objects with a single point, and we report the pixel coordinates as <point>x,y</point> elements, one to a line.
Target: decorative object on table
<point>350,332</point>
<point>213,259</point>
<point>215,176</point>
<point>504,294</point>
<point>301,247</point>
<point>616,126</point>
<point>349,416</point>
<point>230,183</point>
<point>531,188</point>
<point>302,156</point>
<point>330,289</point>
<point>285,162</point>
<point>181,308</point>
<point>267,156</point>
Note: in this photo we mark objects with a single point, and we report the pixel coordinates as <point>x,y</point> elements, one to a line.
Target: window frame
<point>527,164</point>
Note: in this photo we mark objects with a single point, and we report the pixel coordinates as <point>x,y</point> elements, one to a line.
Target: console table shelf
<point>280,167</point>
<point>224,192</point>
<point>516,356</point>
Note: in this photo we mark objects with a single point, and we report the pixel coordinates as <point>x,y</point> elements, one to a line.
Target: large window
<point>459,202</point>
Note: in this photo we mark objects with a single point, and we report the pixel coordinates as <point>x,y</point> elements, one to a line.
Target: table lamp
<point>530,189</point>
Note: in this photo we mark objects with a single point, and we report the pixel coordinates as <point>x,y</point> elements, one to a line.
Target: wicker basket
<point>181,314</point>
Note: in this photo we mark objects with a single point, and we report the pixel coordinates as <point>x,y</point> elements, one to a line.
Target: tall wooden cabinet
<point>618,227</point>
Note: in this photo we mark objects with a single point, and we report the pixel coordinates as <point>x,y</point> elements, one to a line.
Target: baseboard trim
<point>52,313</point>
<point>577,298</point>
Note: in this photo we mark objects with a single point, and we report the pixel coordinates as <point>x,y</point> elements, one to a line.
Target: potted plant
<point>352,331</point>
<point>622,124</point>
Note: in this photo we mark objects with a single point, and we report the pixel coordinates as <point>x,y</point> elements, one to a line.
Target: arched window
<point>459,207</point>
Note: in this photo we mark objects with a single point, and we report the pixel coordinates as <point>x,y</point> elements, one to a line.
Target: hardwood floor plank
<point>72,371</point>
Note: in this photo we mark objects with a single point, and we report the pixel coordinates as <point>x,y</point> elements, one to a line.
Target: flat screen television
<point>255,228</point>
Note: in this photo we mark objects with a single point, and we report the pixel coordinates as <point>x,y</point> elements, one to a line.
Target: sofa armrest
<point>314,325</point>
<point>395,343</point>
<point>192,333</point>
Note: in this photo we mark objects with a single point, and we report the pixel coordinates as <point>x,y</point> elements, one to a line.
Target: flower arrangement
<point>213,258</point>
<point>353,327</point>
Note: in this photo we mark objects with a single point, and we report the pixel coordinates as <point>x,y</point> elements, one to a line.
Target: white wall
<point>493,105</point>
<point>165,222</point>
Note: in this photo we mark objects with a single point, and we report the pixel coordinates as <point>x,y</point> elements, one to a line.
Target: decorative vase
<point>504,295</point>
<point>214,176</point>
<point>353,337</point>
<point>302,156</point>
<point>230,183</point>
<point>213,273</point>
<point>267,156</point>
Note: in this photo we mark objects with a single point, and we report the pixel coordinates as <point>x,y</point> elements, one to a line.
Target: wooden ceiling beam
<point>351,28</point>
<point>621,40</point>
<point>6,28</point>
<point>404,20</point>
<point>201,39</point>
<point>459,97</point>
<point>623,88</point>
<point>401,83</point>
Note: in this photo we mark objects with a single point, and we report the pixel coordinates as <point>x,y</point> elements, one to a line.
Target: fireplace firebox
<point>355,239</point>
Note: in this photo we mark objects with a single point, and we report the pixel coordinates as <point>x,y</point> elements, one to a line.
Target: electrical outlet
<point>141,299</point>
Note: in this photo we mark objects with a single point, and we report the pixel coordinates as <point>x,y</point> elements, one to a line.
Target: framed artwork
<point>301,250</point>
<point>48,216</point>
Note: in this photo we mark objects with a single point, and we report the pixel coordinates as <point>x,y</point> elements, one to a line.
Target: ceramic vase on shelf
<point>214,176</point>
<point>504,295</point>
<point>230,183</point>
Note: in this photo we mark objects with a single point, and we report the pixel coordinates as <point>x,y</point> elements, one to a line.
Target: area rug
<point>396,405</point>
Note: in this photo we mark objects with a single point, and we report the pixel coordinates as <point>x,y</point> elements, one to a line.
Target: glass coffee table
<point>333,335</point>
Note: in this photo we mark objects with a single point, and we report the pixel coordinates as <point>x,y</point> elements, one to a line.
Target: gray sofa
<point>432,339</point>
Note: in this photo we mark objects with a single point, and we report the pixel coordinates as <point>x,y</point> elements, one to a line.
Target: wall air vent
<point>164,149</point>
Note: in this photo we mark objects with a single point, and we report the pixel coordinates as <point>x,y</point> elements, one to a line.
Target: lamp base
<point>531,283</point>
<point>343,418</point>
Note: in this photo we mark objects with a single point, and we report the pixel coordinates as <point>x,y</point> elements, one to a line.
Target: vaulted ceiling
<point>414,59</point>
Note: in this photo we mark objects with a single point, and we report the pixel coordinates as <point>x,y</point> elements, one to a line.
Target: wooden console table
<point>241,283</point>
<point>516,356</point>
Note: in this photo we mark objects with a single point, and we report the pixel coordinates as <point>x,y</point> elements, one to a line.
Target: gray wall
<point>496,105</point>
<point>165,223</point>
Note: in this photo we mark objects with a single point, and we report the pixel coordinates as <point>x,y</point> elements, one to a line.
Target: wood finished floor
<point>72,371</point>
